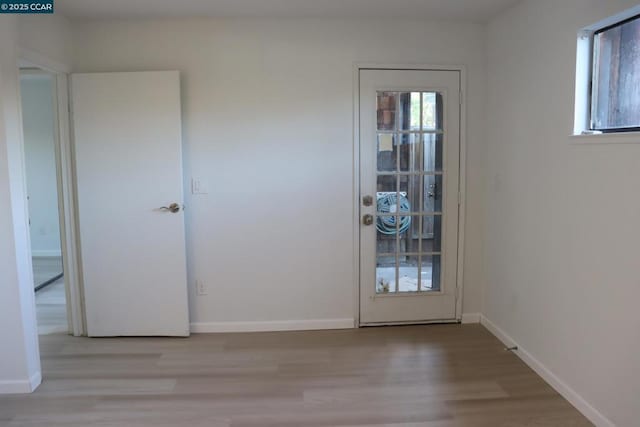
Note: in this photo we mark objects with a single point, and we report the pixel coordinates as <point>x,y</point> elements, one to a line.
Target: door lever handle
<point>173,208</point>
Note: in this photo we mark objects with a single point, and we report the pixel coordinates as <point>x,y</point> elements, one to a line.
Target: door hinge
<point>459,198</point>
<point>461,98</point>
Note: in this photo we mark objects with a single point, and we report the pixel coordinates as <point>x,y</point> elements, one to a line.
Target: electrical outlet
<point>201,288</point>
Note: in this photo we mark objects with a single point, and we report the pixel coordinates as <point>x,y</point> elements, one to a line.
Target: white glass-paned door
<point>409,175</point>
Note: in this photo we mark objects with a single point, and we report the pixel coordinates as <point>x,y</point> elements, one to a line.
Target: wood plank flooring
<point>51,308</point>
<point>45,268</point>
<point>435,376</point>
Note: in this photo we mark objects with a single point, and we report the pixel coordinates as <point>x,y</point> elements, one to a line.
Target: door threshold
<point>409,323</point>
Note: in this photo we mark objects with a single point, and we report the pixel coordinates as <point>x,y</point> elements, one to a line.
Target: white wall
<point>45,38</point>
<point>563,218</point>
<point>19,355</point>
<point>36,91</point>
<point>267,110</point>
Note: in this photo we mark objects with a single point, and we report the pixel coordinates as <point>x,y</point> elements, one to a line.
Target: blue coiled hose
<point>387,224</point>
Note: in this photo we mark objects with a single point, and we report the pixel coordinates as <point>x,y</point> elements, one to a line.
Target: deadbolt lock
<point>367,200</point>
<point>367,219</point>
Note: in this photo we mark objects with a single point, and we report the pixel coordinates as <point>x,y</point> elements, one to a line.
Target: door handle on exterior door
<point>173,208</point>
<point>433,193</point>
<point>367,219</point>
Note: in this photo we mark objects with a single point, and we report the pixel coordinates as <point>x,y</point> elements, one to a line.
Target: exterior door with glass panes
<point>409,195</point>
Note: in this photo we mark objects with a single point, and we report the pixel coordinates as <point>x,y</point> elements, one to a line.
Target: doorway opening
<point>40,131</point>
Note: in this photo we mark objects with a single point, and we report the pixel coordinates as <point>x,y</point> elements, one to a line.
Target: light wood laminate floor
<point>45,268</point>
<point>51,308</point>
<point>435,376</point>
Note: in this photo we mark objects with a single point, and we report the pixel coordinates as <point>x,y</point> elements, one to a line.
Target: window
<point>615,84</point>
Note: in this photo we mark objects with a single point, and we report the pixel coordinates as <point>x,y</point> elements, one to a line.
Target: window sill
<point>606,138</point>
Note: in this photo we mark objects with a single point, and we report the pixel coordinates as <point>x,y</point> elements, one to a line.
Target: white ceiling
<point>450,10</point>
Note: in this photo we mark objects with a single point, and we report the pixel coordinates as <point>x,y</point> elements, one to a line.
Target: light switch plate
<point>198,186</point>
<point>201,288</point>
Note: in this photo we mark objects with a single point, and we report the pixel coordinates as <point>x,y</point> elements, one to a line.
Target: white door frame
<point>356,174</point>
<point>65,169</point>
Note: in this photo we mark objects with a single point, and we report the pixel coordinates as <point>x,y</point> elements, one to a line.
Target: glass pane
<point>387,152</point>
<point>386,184</point>
<point>410,236</point>
<point>431,233</point>
<point>386,242</point>
<point>431,111</point>
<point>616,102</point>
<point>392,224</point>
<point>433,189</point>
<point>410,193</point>
<point>387,225</point>
<point>432,152</point>
<point>409,111</point>
<point>385,275</point>
<point>387,110</point>
<point>389,203</point>
<point>408,274</point>
<point>430,273</point>
<point>410,152</point>
<point>409,241</point>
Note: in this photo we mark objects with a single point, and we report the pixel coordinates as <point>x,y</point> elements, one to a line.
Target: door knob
<point>173,208</point>
<point>367,219</point>
<point>367,200</point>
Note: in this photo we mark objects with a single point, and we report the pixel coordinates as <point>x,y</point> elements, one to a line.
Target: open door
<point>128,152</point>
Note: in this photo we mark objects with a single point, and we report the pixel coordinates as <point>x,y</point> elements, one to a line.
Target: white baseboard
<point>471,318</point>
<point>552,379</point>
<point>46,254</point>
<point>272,326</point>
<point>21,386</point>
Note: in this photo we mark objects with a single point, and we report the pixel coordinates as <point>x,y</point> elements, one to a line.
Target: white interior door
<point>409,181</point>
<point>127,136</point>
